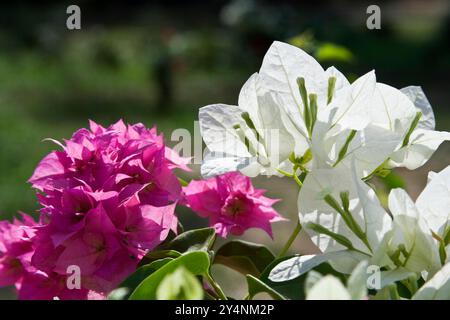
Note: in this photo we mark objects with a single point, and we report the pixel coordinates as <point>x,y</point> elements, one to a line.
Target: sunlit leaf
<point>196,262</point>
<point>179,285</point>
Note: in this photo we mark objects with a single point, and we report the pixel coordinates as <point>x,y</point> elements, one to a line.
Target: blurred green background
<point>158,62</point>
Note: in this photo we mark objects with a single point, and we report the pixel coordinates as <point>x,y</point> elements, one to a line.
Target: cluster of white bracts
<point>293,115</point>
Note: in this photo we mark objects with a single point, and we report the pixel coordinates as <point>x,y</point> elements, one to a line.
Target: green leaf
<point>244,257</point>
<point>256,286</point>
<point>129,284</point>
<point>159,254</point>
<point>193,240</point>
<point>179,285</point>
<point>197,262</point>
<point>333,52</point>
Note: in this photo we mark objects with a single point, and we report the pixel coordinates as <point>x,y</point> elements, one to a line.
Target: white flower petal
<point>434,202</point>
<point>391,276</point>
<point>295,267</point>
<point>423,143</point>
<point>279,134</point>
<point>357,282</point>
<point>437,288</point>
<point>216,127</point>
<point>412,231</point>
<point>341,80</point>
<point>283,64</point>
<point>218,163</point>
<point>348,108</point>
<point>328,288</point>
<point>364,206</point>
<point>391,109</point>
<point>400,203</point>
<point>417,96</point>
<point>248,100</point>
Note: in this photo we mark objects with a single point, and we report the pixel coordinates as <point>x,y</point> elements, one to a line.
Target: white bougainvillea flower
<point>369,138</point>
<point>313,109</point>
<point>296,266</point>
<point>328,288</point>
<point>409,244</point>
<point>255,137</point>
<point>346,221</point>
<point>422,141</point>
<point>273,128</point>
<point>364,120</point>
<point>413,240</point>
<point>434,202</point>
<point>406,241</point>
<point>437,288</point>
<point>322,195</point>
<point>282,68</point>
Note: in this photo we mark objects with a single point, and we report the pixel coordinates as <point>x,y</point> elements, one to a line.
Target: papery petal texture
<point>231,204</point>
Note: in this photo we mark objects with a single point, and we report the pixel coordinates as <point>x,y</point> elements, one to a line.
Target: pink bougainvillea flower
<point>107,242</point>
<point>41,286</point>
<point>92,157</point>
<point>106,249</point>
<point>16,248</point>
<point>108,197</point>
<point>144,227</point>
<point>231,204</point>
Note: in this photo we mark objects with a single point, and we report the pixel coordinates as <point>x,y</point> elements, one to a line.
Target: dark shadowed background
<point>158,62</point>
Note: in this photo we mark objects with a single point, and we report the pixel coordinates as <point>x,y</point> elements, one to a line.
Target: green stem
<point>393,292</point>
<point>284,173</point>
<point>412,281</point>
<point>300,184</point>
<point>216,287</point>
<point>291,239</point>
<point>183,182</point>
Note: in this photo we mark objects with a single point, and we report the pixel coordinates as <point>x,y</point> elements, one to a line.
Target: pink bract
<point>16,249</point>
<point>108,197</point>
<point>231,204</point>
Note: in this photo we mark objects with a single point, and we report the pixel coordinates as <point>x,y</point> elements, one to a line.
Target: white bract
<point>293,111</point>
<point>331,288</point>
<point>323,187</point>
<point>423,140</point>
<point>434,202</point>
<point>295,115</point>
<point>328,288</point>
<point>437,288</point>
<point>254,137</point>
<point>346,221</point>
<point>409,244</point>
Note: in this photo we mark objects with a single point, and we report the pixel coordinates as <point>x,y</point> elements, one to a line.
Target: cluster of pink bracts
<point>108,197</point>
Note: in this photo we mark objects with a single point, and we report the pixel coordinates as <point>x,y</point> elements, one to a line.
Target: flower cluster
<point>296,119</point>
<point>107,198</point>
<point>16,249</point>
<point>295,115</point>
<point>231,204</point>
